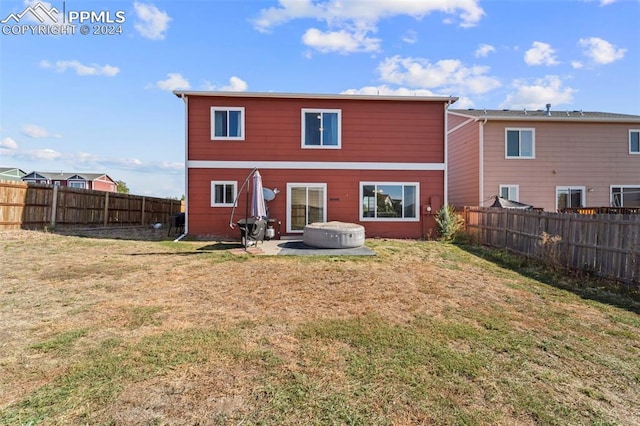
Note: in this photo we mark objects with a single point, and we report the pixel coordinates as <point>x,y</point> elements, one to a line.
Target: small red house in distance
<point>379,161</point>
<point>94,181</point>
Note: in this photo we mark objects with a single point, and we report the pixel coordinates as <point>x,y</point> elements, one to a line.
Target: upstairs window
<point>321,128</point>
<point>227,123</point>
<point>634,141</point>
<point>520,143</point>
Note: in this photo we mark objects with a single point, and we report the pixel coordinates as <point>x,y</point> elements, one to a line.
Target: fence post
<point>466,219</point>
<point>568,237</point>
<point>105,220</point>
<point>54,206</point>
<point>142,213</point>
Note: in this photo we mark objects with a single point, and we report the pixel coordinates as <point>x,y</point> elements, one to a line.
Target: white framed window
<point>306,203</point>
<point>227,123</point>
<point>223,193</point>
<point>634,141</point>
<point>77,184</point>
<point>510,192</point>
<point>389,201</point>
<point>625,195</point>
<point>570,197</point>
<point>321,128</point>
<point>520,143</point>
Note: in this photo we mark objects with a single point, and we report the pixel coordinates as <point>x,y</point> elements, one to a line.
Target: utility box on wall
<point>429,210</point>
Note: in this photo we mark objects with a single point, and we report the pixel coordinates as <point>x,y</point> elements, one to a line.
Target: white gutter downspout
<point>481,169</point>
<point>186,169</point>
<point>446,152</point>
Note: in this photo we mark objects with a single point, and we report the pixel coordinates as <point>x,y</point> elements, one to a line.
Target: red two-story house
<point>379,161</point>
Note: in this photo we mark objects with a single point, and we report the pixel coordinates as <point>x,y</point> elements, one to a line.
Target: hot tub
<point>334,235</point>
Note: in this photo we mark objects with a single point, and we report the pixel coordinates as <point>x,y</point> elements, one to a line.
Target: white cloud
<point>576,65</point>
<point>468,11</point>
<point>37,132</point>
<point>410,37</point>
<point>81,69</point>
<point>351,23</point>
<point>152,23</point>
<point>601,51</point>
<point>37,154</point>
<point>174,81</point>
<point>8,143</point>
<point>384,90</point>
<point>449,76</point>
<point>483,50</point>
<point>342,41</point>
<point>537,94</point>
<point>236,84</point>
<point>540,54</point>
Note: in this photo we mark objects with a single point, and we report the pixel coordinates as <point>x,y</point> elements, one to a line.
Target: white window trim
<point>533,143</point>
<point>71,182</point>
<point>390,219</point>
<point>307,185</point>
<point>213,121</point>
<point>619,186</point>
<point>583,199</point>
<point>223,182</point>
<point>510,187</point>
<point>319,111</point>
<point>633,131</point>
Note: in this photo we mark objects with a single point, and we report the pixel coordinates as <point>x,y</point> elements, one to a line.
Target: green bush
<point>450,224</point>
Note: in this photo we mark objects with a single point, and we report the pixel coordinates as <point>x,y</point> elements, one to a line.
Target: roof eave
<point>557,118</point>
<point>183,93</point>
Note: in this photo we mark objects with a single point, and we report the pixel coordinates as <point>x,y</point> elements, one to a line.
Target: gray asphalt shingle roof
<point>537,115</point>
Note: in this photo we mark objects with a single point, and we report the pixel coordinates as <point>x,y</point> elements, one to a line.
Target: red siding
<point>343,194</point>
<point>103,185</point>
<point>383,131</point>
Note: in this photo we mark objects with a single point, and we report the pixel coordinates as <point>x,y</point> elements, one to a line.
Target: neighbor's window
<point>321,128</point>
<point>389,201</point>
<point>625,196</point>
<point>227,123</point>
<point>509,192</point>
<point>223,194</point>
<point>569,197</point>
<point>520,143</point>
<point>634,141</point>
<point>77,184</point>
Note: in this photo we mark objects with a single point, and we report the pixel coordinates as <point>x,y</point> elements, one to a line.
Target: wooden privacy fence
<point>607,245</point>
<point>29,206</point>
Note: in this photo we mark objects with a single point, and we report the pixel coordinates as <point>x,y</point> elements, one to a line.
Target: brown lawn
<point>98,329</point>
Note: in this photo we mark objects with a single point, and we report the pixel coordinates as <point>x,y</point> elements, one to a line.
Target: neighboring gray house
<point>547,159</point>
<point>11,173</point>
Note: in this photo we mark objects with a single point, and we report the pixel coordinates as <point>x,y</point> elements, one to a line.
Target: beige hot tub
<point>333,235</point>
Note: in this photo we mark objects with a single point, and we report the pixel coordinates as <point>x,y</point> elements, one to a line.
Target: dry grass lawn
<point>100,330</point>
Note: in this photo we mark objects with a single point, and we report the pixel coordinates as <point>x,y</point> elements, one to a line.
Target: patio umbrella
<point>258,207</point>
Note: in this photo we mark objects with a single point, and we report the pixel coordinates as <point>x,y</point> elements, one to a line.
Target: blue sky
<point>103,103</point>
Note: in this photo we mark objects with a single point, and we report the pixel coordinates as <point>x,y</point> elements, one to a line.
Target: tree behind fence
<point>607,245</point>
<point>32,206</point>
